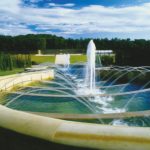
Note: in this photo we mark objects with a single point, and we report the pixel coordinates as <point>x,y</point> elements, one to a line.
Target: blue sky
<point>77,18</point>
<point>83,3</point>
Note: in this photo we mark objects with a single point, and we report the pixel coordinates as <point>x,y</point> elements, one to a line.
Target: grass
<point>77,58</point>
<point>10,72</point>
<point>42,59</point>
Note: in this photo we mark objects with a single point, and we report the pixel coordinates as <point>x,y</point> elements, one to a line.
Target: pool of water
<point>61,96</point>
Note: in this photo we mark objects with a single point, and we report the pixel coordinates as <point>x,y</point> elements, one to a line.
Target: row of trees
<point>10,62</point>
<point>128,52</point>
<point>21,44</point>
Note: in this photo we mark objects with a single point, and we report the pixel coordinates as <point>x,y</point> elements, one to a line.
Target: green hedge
<point>10,62</point>
<point>124,76</point>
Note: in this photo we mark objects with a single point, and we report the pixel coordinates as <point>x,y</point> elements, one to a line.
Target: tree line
<point>128,52</point>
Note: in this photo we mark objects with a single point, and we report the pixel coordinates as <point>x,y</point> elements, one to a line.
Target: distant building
<point>107,53</point>
<point>104,52</point>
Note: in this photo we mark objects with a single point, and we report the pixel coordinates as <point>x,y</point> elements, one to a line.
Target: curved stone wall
<point>74,133</point>
<point>8,82</point>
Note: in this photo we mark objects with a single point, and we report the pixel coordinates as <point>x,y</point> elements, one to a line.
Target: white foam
<point>119,122</point>
<point>112,110</point>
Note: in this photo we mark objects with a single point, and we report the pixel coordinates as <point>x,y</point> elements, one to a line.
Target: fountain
<point>90,67</point>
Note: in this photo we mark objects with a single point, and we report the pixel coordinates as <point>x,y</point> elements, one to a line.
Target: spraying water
<point>90,68</point>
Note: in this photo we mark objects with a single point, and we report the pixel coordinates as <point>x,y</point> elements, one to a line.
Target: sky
<point>76,18</point>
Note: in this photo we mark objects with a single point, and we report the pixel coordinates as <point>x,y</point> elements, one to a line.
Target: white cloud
<point>10,5</point>
<point>86,20</point>
<point>61,5</point>
<point>14,29</point>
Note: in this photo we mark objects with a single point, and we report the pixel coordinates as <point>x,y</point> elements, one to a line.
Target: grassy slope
<point>73,59</point>
<point>77,58</point>
<point>41,59</point>
<point>9,72</point>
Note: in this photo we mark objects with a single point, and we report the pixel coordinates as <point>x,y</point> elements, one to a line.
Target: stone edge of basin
<point>75,133</point>
<point>8,82</point>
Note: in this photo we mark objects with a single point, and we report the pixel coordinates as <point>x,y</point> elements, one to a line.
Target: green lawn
<point>77,58</point>
<point>42,59</point>
<point>9,72</point>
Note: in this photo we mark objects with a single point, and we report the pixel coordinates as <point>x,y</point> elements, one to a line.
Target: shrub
<point>9,62</point>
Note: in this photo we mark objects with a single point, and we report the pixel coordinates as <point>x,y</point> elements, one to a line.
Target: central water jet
<point>90,68</point>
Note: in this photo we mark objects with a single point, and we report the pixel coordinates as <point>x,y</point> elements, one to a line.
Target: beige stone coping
<point>8,82</point>
<point>104,137</point>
